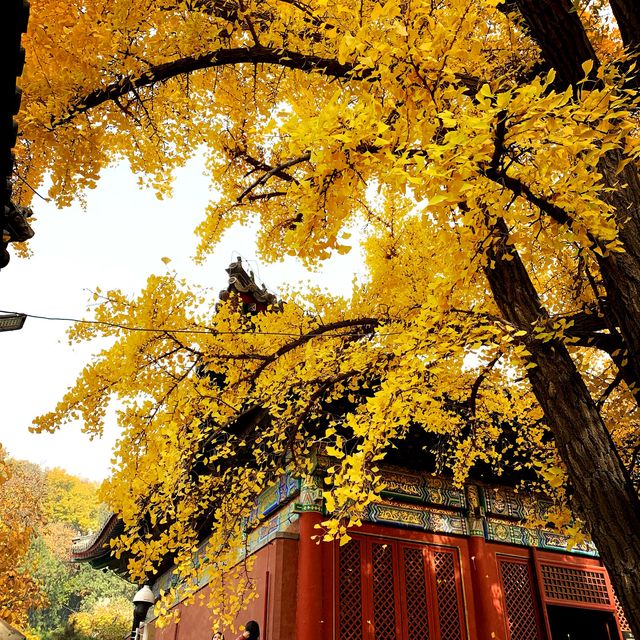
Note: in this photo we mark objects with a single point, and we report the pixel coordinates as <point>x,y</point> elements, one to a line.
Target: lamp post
<point>142,602</point>
<point>12,321</point>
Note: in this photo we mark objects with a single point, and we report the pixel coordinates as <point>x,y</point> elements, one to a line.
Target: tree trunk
<point>627,15</point>
<point>556,27</point>
<point>621,271</point>
<point>604,495</point>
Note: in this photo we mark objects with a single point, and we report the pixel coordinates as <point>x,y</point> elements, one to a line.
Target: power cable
<point>210,332</point>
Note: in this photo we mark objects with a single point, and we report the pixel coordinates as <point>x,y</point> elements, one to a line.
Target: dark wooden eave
<point>96,549</point>
<point>14,16</point>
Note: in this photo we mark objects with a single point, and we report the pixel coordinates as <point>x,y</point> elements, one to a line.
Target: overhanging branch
<point>497,174</point>
<point>221,57</point>
<point>366,327</point>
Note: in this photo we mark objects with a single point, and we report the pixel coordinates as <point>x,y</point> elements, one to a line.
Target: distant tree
<point>72,588</point>
<point>69,587</point>
<point>104,619</point>
<point>73,501</point>
<point>22,492</point>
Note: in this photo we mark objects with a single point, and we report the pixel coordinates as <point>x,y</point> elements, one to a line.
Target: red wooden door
<point>394,590</point>
<point>521,608</point>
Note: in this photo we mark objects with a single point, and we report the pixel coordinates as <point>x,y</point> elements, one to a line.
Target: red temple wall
<point>274,572</point>
<point>298,586</point>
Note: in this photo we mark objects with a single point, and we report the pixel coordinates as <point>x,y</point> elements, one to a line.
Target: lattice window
<point>416,594</point>
<point>448,607</point>
<point>622,619</point>
<point>384,607</point>
<point>575,585</point>
<point>350,592</point>
<point>519,600</point>
<point>385,592</point>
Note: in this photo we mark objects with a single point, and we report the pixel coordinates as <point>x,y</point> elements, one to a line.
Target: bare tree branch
<point>478,382</point>
<point>607,392</point>
<point>274,171</point>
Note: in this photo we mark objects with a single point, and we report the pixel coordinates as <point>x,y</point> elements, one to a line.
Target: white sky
<point>116,243</point>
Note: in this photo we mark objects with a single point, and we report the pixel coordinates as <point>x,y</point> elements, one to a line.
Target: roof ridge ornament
<point>252,297</point>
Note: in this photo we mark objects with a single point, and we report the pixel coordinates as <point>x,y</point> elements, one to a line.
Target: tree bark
<point>621,270</point>
<point>563,41</point>
<point>627,15</point>
<point>183,66</point>
<point>556,27</point>
<point>604,495</point>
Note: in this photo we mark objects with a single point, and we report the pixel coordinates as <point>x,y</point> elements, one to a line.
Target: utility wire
<point>210,332</point>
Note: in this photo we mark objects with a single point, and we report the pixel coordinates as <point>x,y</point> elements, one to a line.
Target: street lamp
<point>12,321</point>
<point>142,602</point>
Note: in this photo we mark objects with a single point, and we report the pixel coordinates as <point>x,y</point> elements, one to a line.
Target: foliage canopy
<point>490,170</point>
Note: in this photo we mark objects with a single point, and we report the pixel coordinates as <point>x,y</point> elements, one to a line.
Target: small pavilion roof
<point>95,548</point>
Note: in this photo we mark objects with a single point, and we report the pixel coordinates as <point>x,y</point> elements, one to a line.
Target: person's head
<point>252,630</point>
<point>218,635</point>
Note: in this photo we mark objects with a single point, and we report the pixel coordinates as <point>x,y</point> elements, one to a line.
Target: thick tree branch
<point>497,174</point>
<point>258,164</point>
<point>518,188</point>
<point>634,460</point>
<point>587,320</point>
<point>367,325</point>
<point>189,64</point>
<point>475,389</point>
<point>607,392</point>
<point>555,25</point>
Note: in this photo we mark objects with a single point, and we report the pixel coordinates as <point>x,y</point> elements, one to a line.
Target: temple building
<point>431,561</point>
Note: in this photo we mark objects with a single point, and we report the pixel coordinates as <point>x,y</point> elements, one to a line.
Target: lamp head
<point>144,594</point>
<point>142,601</point>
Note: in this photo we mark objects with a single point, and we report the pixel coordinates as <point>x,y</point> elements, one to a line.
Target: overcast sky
<point>116,243</point>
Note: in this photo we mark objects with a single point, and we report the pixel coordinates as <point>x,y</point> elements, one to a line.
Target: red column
<point>309,623</point>
<point>487,592</point>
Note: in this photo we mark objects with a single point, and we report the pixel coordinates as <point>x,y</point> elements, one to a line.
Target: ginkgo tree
<point>486,153</point>
<point>22,495</point>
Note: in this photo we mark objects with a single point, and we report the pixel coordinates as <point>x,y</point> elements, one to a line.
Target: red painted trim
<point>329,590</point>
<point>399,604</point>
<point>461,604</point>
<point>309,607</point>
<point>265,613</point>
<point>488,591</point>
